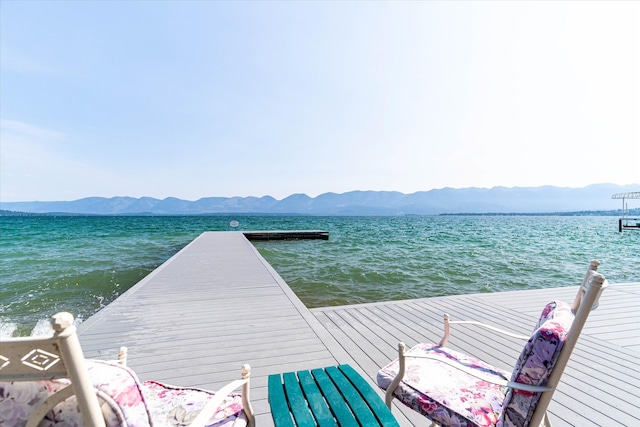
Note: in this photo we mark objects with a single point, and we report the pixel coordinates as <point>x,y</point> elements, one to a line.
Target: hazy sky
<point>204,98</point>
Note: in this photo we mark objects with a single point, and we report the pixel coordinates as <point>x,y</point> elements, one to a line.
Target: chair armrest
<point>122,356</point>
<point>448,322</point>
<point>48,404</point>
<point>212,405</point>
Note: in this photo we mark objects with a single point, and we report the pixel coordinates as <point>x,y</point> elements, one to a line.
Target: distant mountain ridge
<point>503,200</point>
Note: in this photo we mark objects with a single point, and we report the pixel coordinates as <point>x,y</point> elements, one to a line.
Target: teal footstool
<point>333,396</point>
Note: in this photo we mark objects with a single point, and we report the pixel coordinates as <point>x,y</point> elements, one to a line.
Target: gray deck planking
<point>217,304</point>
<point>599,386</point>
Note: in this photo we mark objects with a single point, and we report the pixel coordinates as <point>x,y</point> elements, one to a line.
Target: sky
<point>195,99</point>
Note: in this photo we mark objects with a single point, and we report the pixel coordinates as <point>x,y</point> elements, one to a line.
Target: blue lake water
<point>81,263</point>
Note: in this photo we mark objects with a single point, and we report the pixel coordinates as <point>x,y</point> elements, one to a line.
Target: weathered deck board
<point>217,304</point>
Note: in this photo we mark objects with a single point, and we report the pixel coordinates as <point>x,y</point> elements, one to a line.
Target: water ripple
<point>80,264</point>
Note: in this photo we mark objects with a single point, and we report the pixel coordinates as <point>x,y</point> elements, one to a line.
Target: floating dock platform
<point>287,235</point>
<point>628,224</point>
<point>217,304</point>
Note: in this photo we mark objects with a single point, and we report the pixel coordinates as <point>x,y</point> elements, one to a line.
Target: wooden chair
<point>48,379</point>
<point>451,388</point>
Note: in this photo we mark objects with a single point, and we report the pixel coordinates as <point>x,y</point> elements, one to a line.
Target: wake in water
<point>42,328</point>
<point>7,329</point>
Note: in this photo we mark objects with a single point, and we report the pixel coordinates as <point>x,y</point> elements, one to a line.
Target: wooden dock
<point>217,304</point>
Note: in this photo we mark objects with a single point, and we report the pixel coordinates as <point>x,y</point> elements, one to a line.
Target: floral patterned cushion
<point>537,360</point>
<point>132,404</point>
<point>445,394</point>
<point>178,406</point>
<point>18,400</point>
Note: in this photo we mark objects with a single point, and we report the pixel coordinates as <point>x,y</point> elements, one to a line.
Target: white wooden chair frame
<point>586,300</point>
<point>60,356</point>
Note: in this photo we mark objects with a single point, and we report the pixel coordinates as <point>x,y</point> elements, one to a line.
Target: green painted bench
<point>333,396</point>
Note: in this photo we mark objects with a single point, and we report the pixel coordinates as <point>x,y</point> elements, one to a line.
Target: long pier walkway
<point>217,304</point>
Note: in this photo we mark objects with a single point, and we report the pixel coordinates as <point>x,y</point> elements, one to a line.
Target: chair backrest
<point>48,358</point>
<point>545,356</point>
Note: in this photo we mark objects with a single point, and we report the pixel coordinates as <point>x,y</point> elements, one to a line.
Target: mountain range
<point>499,200</point>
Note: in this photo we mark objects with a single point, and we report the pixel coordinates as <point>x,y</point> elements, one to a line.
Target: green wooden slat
<point>278,403</point>
<point>335,399</point>
<point>329,397</point>
<point>352,397</point>
<point>377,405</point>
<point>316,401</point>
<point>297,402</point>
